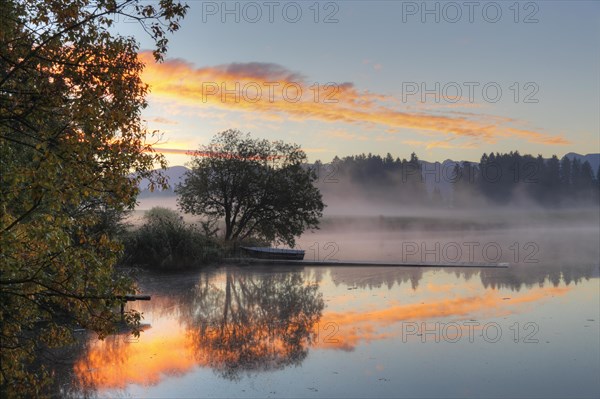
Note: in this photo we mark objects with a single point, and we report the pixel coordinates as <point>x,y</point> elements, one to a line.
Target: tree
<point>586,182</point>
<point>549,182</point>
<point>70,137</point>
<point>260,188</point>
<point>464,190</point>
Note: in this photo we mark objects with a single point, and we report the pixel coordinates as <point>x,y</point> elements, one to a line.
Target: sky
<point>447,80</point>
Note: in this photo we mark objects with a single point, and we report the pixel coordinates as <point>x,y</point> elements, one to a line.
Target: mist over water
<point>384,231</point>
<point>360,226</point>
<point>529,330</point>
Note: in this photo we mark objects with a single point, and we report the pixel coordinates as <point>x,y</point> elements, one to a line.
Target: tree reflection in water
<point>242,321</point>
<point>252,322</point>
<point>232,321</point>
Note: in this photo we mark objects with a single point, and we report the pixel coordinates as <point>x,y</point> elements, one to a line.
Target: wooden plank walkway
<point>247,261</point>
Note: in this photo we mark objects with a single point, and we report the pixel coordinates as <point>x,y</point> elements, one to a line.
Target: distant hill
<point>436,174</point>
<point>174,175</point>
<point>593,159</point>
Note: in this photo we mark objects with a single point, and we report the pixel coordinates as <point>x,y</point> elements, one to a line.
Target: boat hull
<point>274,253</point>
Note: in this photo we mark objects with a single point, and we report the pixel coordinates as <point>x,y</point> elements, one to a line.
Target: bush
<point>166,242</point>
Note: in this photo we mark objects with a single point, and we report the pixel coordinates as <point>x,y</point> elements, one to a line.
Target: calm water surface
<point>528,331</point>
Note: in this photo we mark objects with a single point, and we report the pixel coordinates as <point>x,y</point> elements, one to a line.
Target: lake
<point>531,330</point>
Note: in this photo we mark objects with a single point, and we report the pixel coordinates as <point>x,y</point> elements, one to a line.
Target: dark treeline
<point>498,179</point>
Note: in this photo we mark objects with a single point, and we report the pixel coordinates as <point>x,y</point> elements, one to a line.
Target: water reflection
<point>253,322</point>
<point>232,322</point>
<point>514,278</point>
<point>118,361</point>
<point>239,323</point>
<point>369,325</point>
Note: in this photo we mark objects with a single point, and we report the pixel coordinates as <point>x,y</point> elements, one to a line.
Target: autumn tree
<point>71,135</point>
<point>258,187</point>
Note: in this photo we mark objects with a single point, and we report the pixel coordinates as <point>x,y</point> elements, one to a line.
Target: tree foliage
<point>260,188</point>
<point>70,137</point>
<point>497,179</point>
<point>501,177</point>
<point>375,178</point>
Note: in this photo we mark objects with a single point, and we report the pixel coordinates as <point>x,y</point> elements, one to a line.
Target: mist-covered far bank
<point>510,180</point>
<point>513,208</point>
<point>499,180</point>
<point>364,226</point>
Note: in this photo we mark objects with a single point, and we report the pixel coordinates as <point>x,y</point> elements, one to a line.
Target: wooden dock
<point>331,263</point>
<point>131,298</point>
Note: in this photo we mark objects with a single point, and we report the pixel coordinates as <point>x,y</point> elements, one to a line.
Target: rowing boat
<point>274,253</point>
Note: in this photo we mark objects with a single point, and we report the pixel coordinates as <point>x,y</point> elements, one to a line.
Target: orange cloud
<point>182,151</point>
<point>198,153</point>
<point>272,91</point>
<point>538,137</point>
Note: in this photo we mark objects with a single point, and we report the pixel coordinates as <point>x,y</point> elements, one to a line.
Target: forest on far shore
<point>497,179</point>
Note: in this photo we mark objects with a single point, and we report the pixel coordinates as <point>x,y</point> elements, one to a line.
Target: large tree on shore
<point>71,135</point>
<point>260,188</point>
